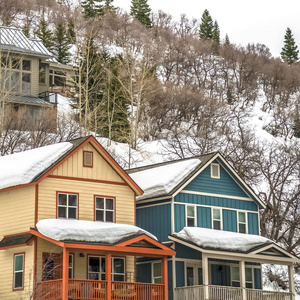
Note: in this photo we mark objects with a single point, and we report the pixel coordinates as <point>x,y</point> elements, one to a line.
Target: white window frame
<point>212,218</point>
<point>152,272</point>
<point>71,266</point>
<point>195,215</point>
<point>19,271</point>
<point>100,273</point>
<point>105,209</point>
<point>195,265</point>
<point>212,165</point>
<point>238,221</point>
<point>113,273</point>
<point>67,206</point>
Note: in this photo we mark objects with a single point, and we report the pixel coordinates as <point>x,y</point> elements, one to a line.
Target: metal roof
<point>28,100</point>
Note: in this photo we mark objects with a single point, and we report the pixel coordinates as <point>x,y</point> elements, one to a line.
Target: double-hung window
<point>217,218</point>
<point>156,273</point>
<point>190,216</point>
<point>242,223</point>
<point>19,271</point>
<point>118,269</point>
<point>67,206</point>
<point>104,209</point>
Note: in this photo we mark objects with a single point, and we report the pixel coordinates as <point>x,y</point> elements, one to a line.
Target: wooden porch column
<point>65,274</point>
<point>205,275</point>
<point>291,281</point>
<point>243,279</point>
<point>164,266</point>
<point>108,275</point>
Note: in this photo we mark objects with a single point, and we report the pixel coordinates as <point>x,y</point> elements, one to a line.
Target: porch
<point>201,292</point>
<point>95,290</point>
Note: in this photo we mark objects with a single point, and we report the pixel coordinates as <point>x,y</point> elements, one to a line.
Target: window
<point>235,276</point>
<point>156,271</point>
<point>217,218</point>
<point>190,216</point>
<point>193,274</point>
<point>71,266</point>
<point>87,159</point>
<point>67,206</point>
<point>57,78</point>
<point>215,170</point>
<point>118,269</point>
<point>242,222</point>
<point>104,209</point>
<point>42,73</point>
<point>249,278</point>
<point>18,271</point>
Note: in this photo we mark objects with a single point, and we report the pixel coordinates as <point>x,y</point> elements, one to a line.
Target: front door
<point>52,263</point>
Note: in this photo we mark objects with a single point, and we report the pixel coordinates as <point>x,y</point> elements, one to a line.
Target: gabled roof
<point>169,178</point>
<point>32,166</point>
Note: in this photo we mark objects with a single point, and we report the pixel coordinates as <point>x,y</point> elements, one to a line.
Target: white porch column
<point>291,281</point>
<point>205,272</point>
<point>243,279</point>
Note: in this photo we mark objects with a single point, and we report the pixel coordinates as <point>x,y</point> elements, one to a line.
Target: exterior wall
<point>6,274</point>
<point>35,77</point>
<point>155,219</point>
<point>17,210</point>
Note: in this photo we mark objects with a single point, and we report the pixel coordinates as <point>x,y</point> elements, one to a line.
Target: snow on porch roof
<point>222,240</point>
<point>88,231</point>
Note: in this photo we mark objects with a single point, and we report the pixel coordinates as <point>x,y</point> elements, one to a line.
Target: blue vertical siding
<point>204,217</point>
<point>155,219</point>
<point>225,185</point>
<point>144,272</point>
<point>179,273</point>
<point>220,275</point>
<point>257,279</point>
<point>229,220</point>
<point>179,212</point>
<point>253,223</point>
<point>187,252</point>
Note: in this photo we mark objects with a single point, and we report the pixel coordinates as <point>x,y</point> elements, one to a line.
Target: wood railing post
<point>243,279</point>
<point>65,274</point>
<point>205,275</point>
<point>291,281</point>
<point>108,276</point>
<point>164,266</point>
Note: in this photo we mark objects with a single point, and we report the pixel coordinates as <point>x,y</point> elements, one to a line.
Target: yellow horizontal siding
<point>124,198</point>
<point>101,170</point>
<point>17,210</point>
<point>6,274</point>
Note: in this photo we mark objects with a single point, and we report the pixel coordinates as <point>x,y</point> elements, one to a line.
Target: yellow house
<point>67,227</point>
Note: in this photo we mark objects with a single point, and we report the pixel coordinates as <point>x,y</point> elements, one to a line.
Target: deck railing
<point>268,295</point>
<point>97,290</point>
<point>224,292</point>
<point>189,293</point>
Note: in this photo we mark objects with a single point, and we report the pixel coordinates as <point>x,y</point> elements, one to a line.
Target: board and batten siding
<point>101,170</point>
<point>6,274</point>
<point>35,77</point>
<point>17,210</point>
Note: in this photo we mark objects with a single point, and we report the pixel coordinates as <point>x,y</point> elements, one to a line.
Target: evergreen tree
<point>206,26</point>
<point>289,52</point>
<point>96,8</point>
<point>141,11</point>
<point>45,35</point>
<point>216,33</point>
<point>71,34</point>
<point>25,30</point>
<point>61,46</point>
<point>227,41</point>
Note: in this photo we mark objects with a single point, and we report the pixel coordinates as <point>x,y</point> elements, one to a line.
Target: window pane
<point>190,276</point>
<point>217,225</point>
<point>109,216</point>
<point>94,276</point>
<point>190,211</point>
<point>235,273</point>
<point>99,215</point>
<point>118,266</point>
<point>5,80</point>
<point>242,217</point>
<point>62,199</point>
<point>15,81</point>
<point>42,73</point>
<point>100,203</point>
<point>72,213</point>
<point>15,63</point>
<point>157,270</point>
<point>94,263</point>
<point>235,283</point>
<point>109,204</point>
<point>26,65</point>
<point>119,277</point>
<point>248,285</point>
<point>62,212</point>
<point>216,214</point>
<point>72,200</point>
<point>4,62</point>
<point>103,265</point>
<point>248,274</point>
<point>18,262</point>
<point>242,228</point>
<point>200,276</point>
<point>88,159</point>
<point>190,222</point>
<point>26,85</point>
<point>19,280</point>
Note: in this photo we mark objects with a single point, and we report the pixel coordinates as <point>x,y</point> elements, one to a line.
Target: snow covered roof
<point>222,240</point>
<point>23,167</point>
<point>88,231</point>
<point>162,179</point>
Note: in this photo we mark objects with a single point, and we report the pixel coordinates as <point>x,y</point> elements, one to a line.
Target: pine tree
<point>216,33</point>
<point>141,11</point>
<point>206,26</point>
<point>45,35</point>
<point>61,46</point>
<point>96,8</point>
<point>289,52</point>
<point>227,41</point>
<point>71,34</point>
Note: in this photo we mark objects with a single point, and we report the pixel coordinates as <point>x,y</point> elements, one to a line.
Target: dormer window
<point>88,159</point>
<point>215,171</point>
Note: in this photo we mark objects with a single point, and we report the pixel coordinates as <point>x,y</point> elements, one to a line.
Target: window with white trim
<point>249,278</point>
<point>190,216</point>
<point>71,266</point>
<point>18,271</point>
<point>235,276</point>
<point>118,269</point>
<point>216,215</point>
<point>242,222</point>
<point>104,209</point>
<point>215,171</point>
<point>156,272</point>
<point>67,205</point>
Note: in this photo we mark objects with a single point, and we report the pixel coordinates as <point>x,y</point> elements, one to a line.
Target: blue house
<point>203,209</point>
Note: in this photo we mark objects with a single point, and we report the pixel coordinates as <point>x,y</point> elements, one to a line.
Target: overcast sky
<point>255,21</point>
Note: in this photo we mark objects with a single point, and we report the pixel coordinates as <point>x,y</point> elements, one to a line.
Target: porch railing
<point>189,293</point>
<point>97,290</point>
<point>268,295</point>
<point>224,292</point>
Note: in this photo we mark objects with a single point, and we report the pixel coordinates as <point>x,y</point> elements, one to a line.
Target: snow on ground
<point>22,167</point>
<point>163,179</point>
<point>223,240</point>
<point>64,104</point>
<point>88,231</point>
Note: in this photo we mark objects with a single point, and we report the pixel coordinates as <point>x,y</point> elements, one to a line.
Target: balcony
<point>227,293</point>
<point>95,290</point>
